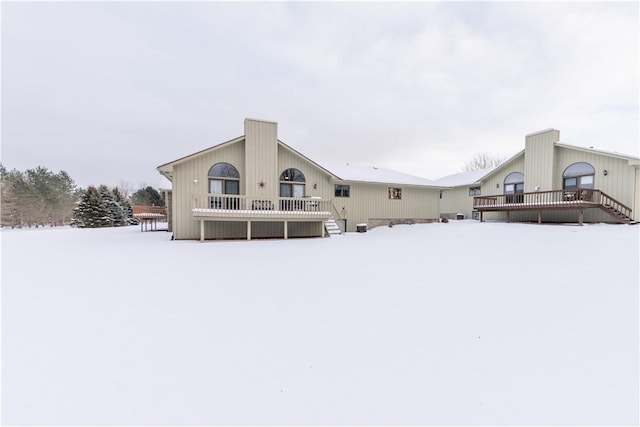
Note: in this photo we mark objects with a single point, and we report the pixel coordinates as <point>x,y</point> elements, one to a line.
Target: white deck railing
<point>239,206</point>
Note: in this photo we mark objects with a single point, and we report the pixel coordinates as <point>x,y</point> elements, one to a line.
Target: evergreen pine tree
<point>36,197</point>
<point>147,196</point>
<point>115,214</point>
<point>118,209</point>
<point>92,210</point>
<point>129,213</point>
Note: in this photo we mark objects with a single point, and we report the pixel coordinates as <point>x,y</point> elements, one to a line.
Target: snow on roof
<point>463,178</point>
<point>597,151</point>
<point>349,172</point>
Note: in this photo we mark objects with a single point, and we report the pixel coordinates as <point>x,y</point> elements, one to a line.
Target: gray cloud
<point>108,91</point>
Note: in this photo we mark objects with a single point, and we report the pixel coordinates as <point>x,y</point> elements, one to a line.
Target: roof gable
<point>167,168</point>
<point>463,178</point>
<point>632,159</point>
<point>299,154</point>
<point>503,165</point>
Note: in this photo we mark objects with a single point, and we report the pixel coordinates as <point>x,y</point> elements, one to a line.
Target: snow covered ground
<point>463,323</point>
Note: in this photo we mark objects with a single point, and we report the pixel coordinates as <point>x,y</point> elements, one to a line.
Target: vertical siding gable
<point>539,160</point>
<point>314,175</point>
<point>261,152</point>
<point>620,178</point>
<point>494,185</point>
<point>184,187</point>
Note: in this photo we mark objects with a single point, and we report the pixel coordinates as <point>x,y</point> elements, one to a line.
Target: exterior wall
<point>314,176</point>
<point>621,183</point>
<point>370,204</point>
<point>635,213</point>
<point>184,187</point>
<point>495,185</point>
<point>620,178</point>
<point>558,216</point>
<point>457,200</point>
<point>168,200</point>
<point>261,151</point>
<point>539,160</point>
<point>259,229</point>
<point>268,161</point>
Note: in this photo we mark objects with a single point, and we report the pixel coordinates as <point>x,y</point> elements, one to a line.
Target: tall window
<point>224,178</point>
<point>292,183</point>
<point>578,175</point>
<point>514,187</point>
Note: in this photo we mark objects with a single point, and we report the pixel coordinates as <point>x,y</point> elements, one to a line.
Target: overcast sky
<point>107,91</point>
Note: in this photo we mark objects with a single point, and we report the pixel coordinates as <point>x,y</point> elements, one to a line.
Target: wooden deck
<point>149,216</point>
<point>575,199</point>
<point>248,209</point>
<point>240,208</point>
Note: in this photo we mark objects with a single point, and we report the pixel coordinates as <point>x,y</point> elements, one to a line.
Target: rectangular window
<point>298,190</point>
<point>474,191</point>
<point>286,190</point>
<point>232,187</point>
<point>395,193</point>
<point>341,190</point>
<point>570,183</point>
<point>520,187</point>
<point>215,186</point>
<point>586,181</point>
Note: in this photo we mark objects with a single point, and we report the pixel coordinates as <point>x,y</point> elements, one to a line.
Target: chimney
<point>261,158</point>
<point>539,160</point>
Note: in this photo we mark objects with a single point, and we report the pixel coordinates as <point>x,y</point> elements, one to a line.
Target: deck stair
<point>620,216</point>
<point>332,227</point>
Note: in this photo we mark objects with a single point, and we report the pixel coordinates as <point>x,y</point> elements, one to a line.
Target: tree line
<point>39,197</point>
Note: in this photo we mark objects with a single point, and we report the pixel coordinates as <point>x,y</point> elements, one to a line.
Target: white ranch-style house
<point>256,186</point>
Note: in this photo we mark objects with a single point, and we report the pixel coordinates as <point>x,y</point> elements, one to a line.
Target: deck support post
<point>202,230</point>
<point>507,212</point>
<point>539,216</point>
<point>580,216</point>
<point>322,231</point>
<point>481,216</point>
<point>286,230</point>
<point>248,230</point>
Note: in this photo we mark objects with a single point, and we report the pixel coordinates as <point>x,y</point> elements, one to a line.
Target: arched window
<point>578,175</point>
<point>514,187</point>
<point>514,183</point>
<point>224,178</point>
<point>292,183</point>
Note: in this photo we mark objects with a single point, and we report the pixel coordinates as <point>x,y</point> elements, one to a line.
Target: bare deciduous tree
<point>482,160</point>
<point>125,188</point>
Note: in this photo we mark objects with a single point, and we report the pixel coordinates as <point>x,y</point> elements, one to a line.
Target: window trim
<point>339,190</point>
<point>514,180</point>
<point>232,174</point>
<point>578,176</point>
<point>395,193</point>
<point>475,191</point>
<point>292,178</point>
